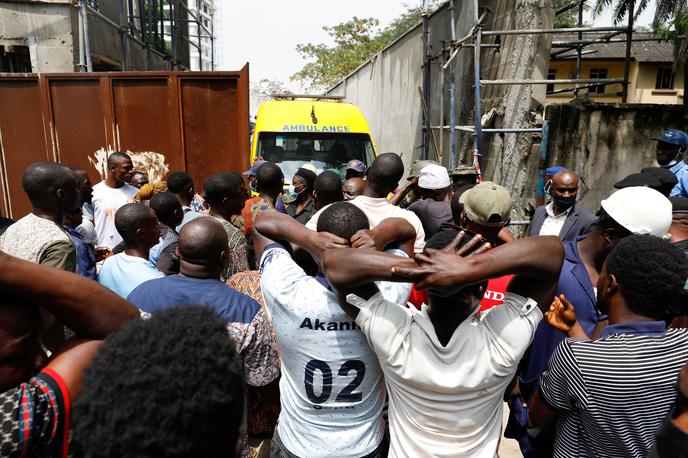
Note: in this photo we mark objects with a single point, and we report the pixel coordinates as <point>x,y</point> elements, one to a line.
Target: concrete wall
<point>48,29</point>
<point>386,89</point>
<point>51,31</point>
<point>606,142</point>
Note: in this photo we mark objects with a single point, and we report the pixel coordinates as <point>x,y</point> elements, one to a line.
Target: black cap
<point>679,204</point>
<point>666,176</point>
<point>649,180</point>
<point>307,175</point>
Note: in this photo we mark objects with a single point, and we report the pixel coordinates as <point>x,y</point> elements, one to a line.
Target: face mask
<point>674,161</point>
<point>564,202</point>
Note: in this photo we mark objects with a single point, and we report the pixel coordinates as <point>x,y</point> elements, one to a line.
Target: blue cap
<point>356,165</point>
<point>254,168</point>
<point>554,169</point>
<point>673,137</point>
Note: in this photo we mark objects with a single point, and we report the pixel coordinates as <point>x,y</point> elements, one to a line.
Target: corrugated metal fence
<point>198,120</point>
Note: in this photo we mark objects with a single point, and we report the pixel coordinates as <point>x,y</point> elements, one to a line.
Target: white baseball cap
<point>434,176</point>
<point>641,210</point>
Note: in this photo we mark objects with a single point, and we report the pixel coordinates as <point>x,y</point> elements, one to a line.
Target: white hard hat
<point>641,210</point>
<point>434,176</point>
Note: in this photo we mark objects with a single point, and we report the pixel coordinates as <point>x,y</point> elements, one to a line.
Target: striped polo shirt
<point>614,392</point>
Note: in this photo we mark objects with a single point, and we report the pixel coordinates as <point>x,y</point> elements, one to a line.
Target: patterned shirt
<point>247,322</point>
<point>261,413</point>
<point>34,418</point>
<point>238,250</point>
<point>613,393</point>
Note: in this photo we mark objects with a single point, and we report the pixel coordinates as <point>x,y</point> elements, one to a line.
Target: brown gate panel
<point>79,121</point>
<point>210,106</point>
<point>144,117</point>
<point>197,120</point>
<point>22,139</point>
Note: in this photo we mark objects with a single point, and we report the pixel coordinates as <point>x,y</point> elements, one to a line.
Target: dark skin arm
<point>399,195</point>
<point>388,231</point>
<point>535,263</point>
<point>89,309</point>
<point>271,226</point>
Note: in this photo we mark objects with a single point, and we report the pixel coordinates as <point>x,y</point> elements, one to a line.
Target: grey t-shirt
<point>432,214</point>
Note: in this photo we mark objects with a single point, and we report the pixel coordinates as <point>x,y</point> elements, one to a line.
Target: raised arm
<point>272,226</point>
<point>390,230</point>
<point>87,308</point>
<point>535,262</point>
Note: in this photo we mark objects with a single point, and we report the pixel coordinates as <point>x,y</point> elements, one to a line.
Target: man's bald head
<point>564,190</point>
<point>566,179</point>
<point>203,242</point>
<point>352,187</point>
<point>385,173</point>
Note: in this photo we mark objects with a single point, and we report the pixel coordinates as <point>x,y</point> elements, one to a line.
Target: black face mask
<point>564,202</point>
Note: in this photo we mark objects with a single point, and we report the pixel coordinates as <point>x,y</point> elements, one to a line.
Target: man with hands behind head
<point>446,368</point>
<point>331,387</point>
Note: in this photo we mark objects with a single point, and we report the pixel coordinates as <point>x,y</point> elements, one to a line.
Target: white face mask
<point>675,160</point>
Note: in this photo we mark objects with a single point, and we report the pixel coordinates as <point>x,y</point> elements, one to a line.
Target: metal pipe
<point>426,76</point>
<point>573,44</point>
<point>82,53</point>
<point>579,48</point>
<point>87,38</point>
<point>565,81</point>
<point>452,92</point>
<point>212,43</point>
<point>122,37</point>
<point>553,31</point>
<point>542,166</point>
<point>478,135</point>
<point>492,130</point>
<point>629,43</point>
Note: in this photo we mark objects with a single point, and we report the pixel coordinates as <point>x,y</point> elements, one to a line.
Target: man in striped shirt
<point>609,396</point>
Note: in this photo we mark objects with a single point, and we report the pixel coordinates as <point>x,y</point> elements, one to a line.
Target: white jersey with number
<point>332,390</point>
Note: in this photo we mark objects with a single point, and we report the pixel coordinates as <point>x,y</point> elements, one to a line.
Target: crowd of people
<point>346,315</point>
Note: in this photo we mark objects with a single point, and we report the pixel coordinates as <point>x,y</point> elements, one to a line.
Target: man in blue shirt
<point>634,210</point>
<point>138,227</point>
<point>671,146</point>
<point>203,254</point>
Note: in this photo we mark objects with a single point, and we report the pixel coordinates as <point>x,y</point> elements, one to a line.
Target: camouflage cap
<point>417,166</point>
<point>462,169</point>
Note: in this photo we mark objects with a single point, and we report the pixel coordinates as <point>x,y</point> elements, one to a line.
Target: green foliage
<point>355,41</point>
<point>569,18</point>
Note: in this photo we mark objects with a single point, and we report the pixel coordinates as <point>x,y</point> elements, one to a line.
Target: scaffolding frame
<point>144,21</point>
<point>474,40</point>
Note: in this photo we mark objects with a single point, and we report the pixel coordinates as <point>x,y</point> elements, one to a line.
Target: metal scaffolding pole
<point>426,77</point>
<point>627,62</point>
<point>478,138</point>
<point>452,91</point>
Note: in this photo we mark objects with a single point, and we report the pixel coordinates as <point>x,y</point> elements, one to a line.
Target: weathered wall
<point>386,88</point>
<point>509,159</point>
<point>48,29</point>
<point>606,142</point>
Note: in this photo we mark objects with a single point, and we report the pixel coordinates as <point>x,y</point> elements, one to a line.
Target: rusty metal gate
<point>198,120</point>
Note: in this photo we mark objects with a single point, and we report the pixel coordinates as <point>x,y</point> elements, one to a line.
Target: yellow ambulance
<point>321,130</point>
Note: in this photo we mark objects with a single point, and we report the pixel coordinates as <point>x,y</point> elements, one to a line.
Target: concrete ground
<point>508,448</point>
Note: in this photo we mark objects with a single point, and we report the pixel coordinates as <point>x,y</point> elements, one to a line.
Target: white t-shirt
<point>553,223</point>
<point>331,390</point>
<point>106,201</point>
<point>378,209</point>
<point>447,401</point>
